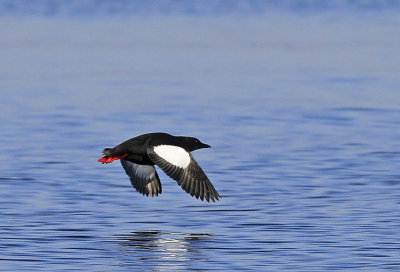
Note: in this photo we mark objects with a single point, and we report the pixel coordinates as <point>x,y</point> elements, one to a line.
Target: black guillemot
<point>170,153</point>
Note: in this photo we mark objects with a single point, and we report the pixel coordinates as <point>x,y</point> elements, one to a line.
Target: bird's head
<point>194,143</point>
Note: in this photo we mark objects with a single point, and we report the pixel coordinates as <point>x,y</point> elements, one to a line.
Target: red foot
<point>108,159</point>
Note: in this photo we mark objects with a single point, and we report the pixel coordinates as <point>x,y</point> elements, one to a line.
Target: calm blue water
<point>302,113</point>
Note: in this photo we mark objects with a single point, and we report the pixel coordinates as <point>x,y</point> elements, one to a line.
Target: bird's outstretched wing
<point>180,165</point>
<point>144,178</point>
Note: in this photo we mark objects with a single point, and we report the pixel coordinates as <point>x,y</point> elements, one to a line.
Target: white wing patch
<point>173,154</point>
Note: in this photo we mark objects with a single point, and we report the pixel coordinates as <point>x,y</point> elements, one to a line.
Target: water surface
<point>302,113</point>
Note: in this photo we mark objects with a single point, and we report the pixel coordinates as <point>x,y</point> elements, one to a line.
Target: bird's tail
<point>108,151</point>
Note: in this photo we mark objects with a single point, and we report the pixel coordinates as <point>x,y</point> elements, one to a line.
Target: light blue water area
<point>302,113</point>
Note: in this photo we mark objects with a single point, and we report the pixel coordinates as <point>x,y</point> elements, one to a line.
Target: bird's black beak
<point>205,145</point>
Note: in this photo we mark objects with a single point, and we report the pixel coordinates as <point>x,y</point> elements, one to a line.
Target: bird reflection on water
<point>165,247</point>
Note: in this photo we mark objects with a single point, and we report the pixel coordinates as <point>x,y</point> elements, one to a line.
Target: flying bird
<point>170,153</point>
